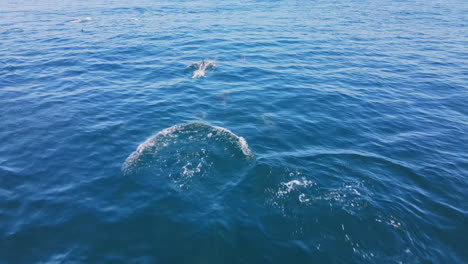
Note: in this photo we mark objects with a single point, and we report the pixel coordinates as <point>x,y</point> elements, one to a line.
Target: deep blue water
<point>328,132</point>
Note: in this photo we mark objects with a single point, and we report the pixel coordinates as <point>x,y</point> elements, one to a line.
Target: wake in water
<point>202,67</point>
<point>195,156</point>
<point>187,134</point>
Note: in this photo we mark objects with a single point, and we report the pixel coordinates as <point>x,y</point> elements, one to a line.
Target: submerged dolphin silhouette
<point>202,66</point>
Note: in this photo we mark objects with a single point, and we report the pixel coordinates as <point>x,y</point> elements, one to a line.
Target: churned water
<point>233,131</point>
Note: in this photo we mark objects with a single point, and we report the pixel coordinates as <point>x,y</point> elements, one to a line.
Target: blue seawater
<point>328,132</point>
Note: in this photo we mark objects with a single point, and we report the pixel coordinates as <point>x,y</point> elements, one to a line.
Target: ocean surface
<point>327,131</point>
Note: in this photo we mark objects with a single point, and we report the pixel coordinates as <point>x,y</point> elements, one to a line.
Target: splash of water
<point>187,134</point>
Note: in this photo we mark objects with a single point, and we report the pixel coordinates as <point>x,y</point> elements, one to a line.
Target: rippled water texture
<point>327,132</point>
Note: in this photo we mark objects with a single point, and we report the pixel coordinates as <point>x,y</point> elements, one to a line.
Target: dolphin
<point>202,66</point>
<point>79,20</point>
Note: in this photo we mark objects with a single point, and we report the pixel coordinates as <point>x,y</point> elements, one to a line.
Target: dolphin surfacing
<point>202,67</point>
<point>80,20</point>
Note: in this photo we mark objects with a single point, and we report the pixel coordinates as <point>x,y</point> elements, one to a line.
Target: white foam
<point>303,199</point>
<point>241,142</point>
<point>289,186</point>
<point>189,170</point>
